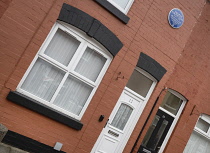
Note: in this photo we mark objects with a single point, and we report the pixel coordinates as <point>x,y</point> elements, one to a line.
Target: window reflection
<point>139,83</point>
<point>150,131</point>
<point>171,103</point>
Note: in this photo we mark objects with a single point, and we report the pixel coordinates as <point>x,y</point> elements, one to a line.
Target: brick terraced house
<point>105,76</point>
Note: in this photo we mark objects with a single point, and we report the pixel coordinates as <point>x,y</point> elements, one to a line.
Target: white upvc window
<point>122,5</point>
<point>66,71</point>
<point>199,141</point>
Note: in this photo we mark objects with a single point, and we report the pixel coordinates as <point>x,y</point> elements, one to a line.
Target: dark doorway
<point>156,133</point>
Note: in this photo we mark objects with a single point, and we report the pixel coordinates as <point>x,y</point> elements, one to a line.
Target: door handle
<point>106,123</point>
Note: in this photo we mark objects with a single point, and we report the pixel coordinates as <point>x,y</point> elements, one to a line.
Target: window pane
<point>43,80</point>
<point>73,95</point>
<point>159,135</point>
<point>122,116</point>
<point>197,144</point>
<point>203,125</point>
<point>139,83</point>
<point>122,3</point>
<point>150,131</point>
<point>62,47</point>
<point>90,64</point>
<point>171,103</point>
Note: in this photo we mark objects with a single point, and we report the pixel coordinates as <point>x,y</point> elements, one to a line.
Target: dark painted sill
<point>33,105</point>
<point>27,144</point>
<point>117,13</point>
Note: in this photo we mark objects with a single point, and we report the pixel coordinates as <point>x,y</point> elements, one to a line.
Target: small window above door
<point>171,103</point>
<point>139,83</point>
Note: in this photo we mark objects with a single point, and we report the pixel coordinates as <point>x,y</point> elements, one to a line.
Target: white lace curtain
<point>62,47</point>
<point>43,80</point>
<point>73,95</point>
<point>122,116</point>
<point>90,64</point>
<point>197,144</point>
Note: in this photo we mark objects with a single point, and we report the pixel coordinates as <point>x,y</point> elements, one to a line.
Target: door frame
<point>176,118</point>
<point>138,113</point>
<point>167,117</point>
<point>145,100</point>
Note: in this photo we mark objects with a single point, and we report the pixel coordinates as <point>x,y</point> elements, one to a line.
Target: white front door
<point>125,114</point>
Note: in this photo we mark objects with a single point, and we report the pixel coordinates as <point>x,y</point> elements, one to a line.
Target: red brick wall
<point>3,6</point>
<point>190,77</point>
<point>24,26</point>
<point>193,68</point>
<point>166,45</point>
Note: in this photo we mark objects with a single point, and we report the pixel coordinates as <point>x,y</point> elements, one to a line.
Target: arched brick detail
<point>151,66</point>
<point>91,27</point>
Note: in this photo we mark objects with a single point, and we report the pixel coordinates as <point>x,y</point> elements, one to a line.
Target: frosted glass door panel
<point>91,64</point>
<point>122,116</point>
<point>43,80</point>
<point>62,47</point>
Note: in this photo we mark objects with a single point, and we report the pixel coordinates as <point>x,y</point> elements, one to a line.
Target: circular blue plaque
<point>176,18</point>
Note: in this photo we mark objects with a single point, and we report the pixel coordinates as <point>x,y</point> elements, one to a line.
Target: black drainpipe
<point>145,123</point>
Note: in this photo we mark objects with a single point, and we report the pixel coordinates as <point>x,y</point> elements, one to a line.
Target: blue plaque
<point>176,18</point>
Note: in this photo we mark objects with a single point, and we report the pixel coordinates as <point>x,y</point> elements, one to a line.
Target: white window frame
<point>196,129</point>
<point>125,11</point>
<point>86,41</point>
<point>176,117</point>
